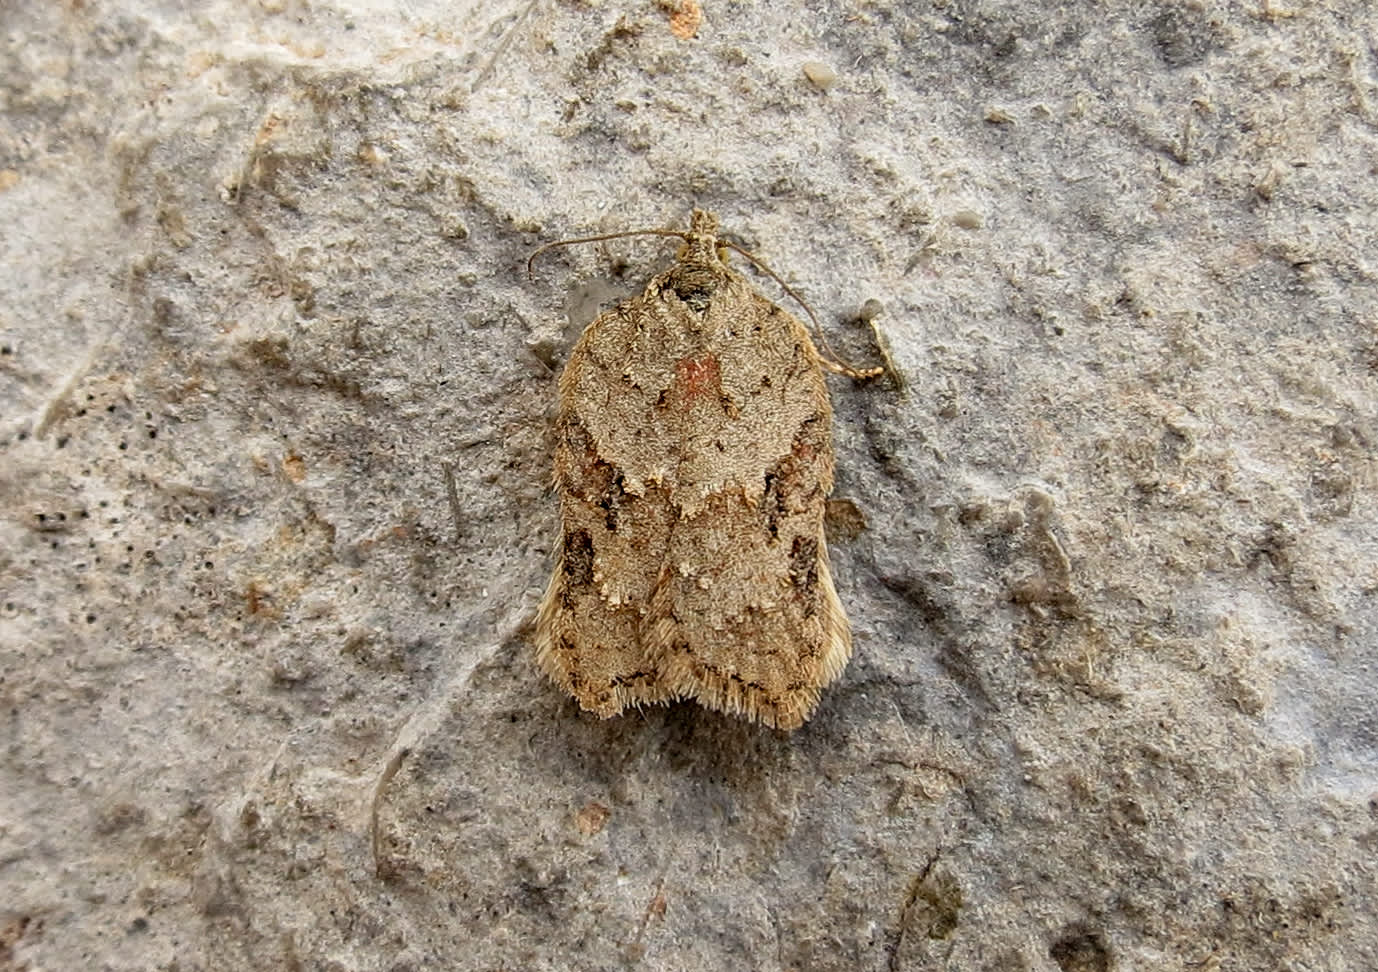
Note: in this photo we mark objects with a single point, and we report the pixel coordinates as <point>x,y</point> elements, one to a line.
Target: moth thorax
<point>695,285</point>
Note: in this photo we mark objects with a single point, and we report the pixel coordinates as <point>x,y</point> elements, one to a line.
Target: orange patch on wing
<point>698,377</point>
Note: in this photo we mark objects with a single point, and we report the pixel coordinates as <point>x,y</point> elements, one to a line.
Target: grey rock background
<point>267,699</point>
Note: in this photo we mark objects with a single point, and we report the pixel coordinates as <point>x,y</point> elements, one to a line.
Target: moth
<point>693,461</point>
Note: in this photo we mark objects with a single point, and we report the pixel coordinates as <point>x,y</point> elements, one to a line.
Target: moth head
<point>702,248</point>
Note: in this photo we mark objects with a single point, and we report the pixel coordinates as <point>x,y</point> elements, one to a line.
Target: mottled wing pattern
<point>744,617</point>
<point>694,462</point>
<point>589,630</point>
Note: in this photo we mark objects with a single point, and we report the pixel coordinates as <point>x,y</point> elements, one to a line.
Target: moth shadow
<point>679,743</point>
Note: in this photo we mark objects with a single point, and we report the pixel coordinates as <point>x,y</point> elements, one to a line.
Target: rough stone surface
<point>268,700</point>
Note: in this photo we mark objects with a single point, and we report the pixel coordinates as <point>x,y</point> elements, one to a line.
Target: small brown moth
<point>693,461</point>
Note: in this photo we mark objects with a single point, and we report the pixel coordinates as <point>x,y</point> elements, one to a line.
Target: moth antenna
<point>597,239</point>
<point>829,358</point>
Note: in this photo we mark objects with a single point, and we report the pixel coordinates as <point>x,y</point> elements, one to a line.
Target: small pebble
<point>820,75</point>
<point>968,219</point>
